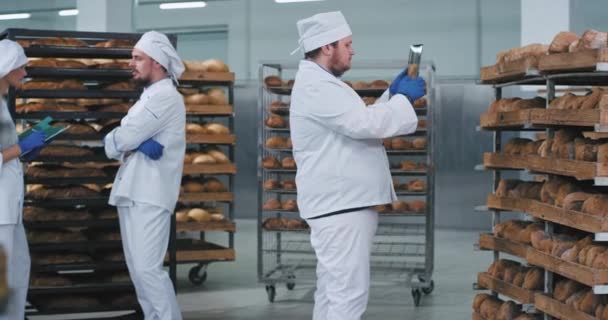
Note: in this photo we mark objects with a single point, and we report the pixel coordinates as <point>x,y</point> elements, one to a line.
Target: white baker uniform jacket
<point>11,172</point>
<point>159,114</point>
<point>337,142</point>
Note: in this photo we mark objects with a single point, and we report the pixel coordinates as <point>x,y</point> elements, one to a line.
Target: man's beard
<point>336,69</point>
<point>141,82</point>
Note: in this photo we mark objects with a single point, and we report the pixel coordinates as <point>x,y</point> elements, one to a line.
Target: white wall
<point>263,30</point>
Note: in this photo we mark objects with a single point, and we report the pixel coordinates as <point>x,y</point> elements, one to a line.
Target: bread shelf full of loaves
<point>206,202</point>
<point>282,235</point>
<point>81,79</point>
<point>565,237</point>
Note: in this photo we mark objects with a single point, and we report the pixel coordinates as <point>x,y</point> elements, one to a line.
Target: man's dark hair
<point>315,53</point>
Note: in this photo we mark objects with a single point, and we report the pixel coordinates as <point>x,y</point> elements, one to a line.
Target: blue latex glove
<point>395,84</point>
<point>151,148</point>
<point>33,141</point>
<point>413,89</point>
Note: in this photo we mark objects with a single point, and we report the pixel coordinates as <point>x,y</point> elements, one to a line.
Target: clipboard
<point>50,132</point>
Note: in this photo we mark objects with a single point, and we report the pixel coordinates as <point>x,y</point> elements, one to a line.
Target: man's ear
<point>326,49</point>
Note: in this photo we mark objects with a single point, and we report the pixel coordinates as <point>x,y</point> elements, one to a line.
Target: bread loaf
<point>400,143</point>
<point>290,205</point>
<point>416,185</point>
<point>56,236</point>
<point>270,162</point>
<point>214,185</point>
<point>592,39</point>
<point>271,184</point>
<point>62,192</point>
<point>65,151</point>
<point>478,300</point>
<point>197,99</point>
<point>418,206</point>
<point>508,310</point>
<point>274,121</point>
<point>592,100</point>
<point>120,86</point>
<point>217,96</point>
<point>489,308</point>
<point>279,108</point>
<point>515,146</point>
<point>526,190</point>
<point>272,204</point>
<point>419,143</point>
<point>199,215</point>
<point>596,205</point>
<point>400,206</point>
<point>534,279</point>
<point>215,65</point>
<point>217,154</point>
<point>562,41</point>
<point>565,289</point>
<point>497,268</point>
<point>525,236</point>
<point>505,185</point>
<point>116,43</point>
<point>204,159</point>
<point>181,216</point>
<point>288,163</point>
<point>276,143</point>
<point>273,81</point>
<point>192,187</point>
<point>195,128</point>
<point>288,185</point>
<point>585,150</point>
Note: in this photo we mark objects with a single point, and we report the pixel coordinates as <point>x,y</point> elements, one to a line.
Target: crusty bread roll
<point>400,143</point>
<point>274,121</point>
<point>562,41</point>
<point>408,165</point>
<point>592,100</point>
<point>215,65</point>
<point>416,185</point>
<point>273,81</point>
<point>478,300</point>
<point>379,84</point>
<point>290,205</point>
<point>195,128</point>
<point>270,162</point>
<point>288,163</point>
<point>214,185</point>
<point>400,206</point>
<point>360,85</point>
<point>534,279</point>
<point>596,205</point>
<point>419,143</point>
<point>217,217</point>
<point>288,185</point>
<point>216,129</point>
<point>489,308</point>
<point>272,204</point>
<point>271,184</point>
<point>193,187</point>
<point>564,289</point>
<point>506,185</point>
<point>418,206</point>
<point>199,215</point>
<point>275,143</point>
<point>204,159</point>
<point>217,155</point>
<point>198,99</point>
<point>181,216</point>
<point>592,39</point>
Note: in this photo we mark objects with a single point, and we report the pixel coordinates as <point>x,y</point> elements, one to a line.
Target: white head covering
<point>158,47</point>
<point>321,29</point>
<point>12,57</point>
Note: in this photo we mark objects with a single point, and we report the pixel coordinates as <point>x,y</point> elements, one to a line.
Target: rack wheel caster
<point>428,290</point>
<point>417,295</point>
<point>195,275</point>
<point>290,285</point>
<point>272,292</point>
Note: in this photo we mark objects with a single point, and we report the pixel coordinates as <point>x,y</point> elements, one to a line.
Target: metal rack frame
<point>198,274</point>
<point>549,81</point>
<point>403,250</point>
<point>90,247</point>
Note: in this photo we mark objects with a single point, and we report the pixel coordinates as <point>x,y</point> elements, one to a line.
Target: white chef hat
<point>321,29</point>
<point>158,47</point>
<point>12,57</point>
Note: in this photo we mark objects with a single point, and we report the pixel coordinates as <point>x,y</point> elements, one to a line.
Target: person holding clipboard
<point>12,233</point>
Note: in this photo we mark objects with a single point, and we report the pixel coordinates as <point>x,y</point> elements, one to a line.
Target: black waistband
<point>338,212</point>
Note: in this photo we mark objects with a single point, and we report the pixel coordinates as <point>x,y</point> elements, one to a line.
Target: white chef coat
<point>159,114</point>
<point>337,142</point>
<point>11,172</point>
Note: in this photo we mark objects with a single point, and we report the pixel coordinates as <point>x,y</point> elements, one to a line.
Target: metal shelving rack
<point>97,268</point>
<point>596,77</point>
<point>200,252</point>
<point>403,250</point>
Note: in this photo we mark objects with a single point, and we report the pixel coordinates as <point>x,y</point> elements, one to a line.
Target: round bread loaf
<point>270,162</point>
<point>199,215</point>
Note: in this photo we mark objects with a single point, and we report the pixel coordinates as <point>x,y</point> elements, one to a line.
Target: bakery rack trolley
<point>199,251</point>
<point>578,69</point>
<point>403,250</point>
<point>89,276</point>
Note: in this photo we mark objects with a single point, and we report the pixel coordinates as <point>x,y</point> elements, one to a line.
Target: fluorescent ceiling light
<point>14,16</point>
<point>183,5</point>
<point>70,12</point>
<point>290,1</point>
